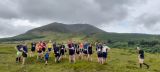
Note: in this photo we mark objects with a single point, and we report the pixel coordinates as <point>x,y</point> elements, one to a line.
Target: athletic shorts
<point>100,54</point>
<point>85,51</point>
<point>33,49</point>
<point>49,49</point>
<point>104,54</point>
<point>71,52</point>
<point>57,55</point>
<point>40,51</point>
<point>90,52</point>
<point>81,50</point>
<point>24,54</point>
<point>61,52</point>
<point>141,60</point>
<point>43,49</point>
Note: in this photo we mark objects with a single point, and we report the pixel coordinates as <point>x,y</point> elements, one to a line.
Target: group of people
<point>82,50</point>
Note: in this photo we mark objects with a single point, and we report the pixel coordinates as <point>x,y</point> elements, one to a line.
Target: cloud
<point>113,15</point>
<point>15,26</point>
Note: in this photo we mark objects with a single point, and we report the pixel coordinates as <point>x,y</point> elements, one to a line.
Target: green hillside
<point>119,60</point>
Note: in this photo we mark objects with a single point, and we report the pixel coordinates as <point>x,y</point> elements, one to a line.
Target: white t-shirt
<point>104,48</point>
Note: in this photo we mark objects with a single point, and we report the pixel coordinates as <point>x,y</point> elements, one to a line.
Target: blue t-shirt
<point>33,45</point>
<point>47,55</point>
<point>25,49</point>
<point>86,46</point>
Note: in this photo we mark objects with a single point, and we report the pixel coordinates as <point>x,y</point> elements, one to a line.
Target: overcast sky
<point>122,16</point>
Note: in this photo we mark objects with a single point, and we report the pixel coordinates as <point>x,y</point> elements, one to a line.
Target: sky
<point>121,16</point>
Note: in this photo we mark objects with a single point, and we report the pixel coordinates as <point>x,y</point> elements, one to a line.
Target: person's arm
<point>108,48</point>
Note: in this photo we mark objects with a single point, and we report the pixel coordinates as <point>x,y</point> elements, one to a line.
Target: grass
<point>119,60</point>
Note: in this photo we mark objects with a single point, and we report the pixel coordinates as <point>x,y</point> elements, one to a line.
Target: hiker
<point>62,51</point>
<point>99,53</point>
<point>39,50</point>
<point>141,58</point>
<point>71,52</point>
<point>105,50</point>
<point>77,51</point>
<point>85,51</point>
<point>90,52</point>
<point>43,44</point>
<point>81,50</point>
<point>24,53</point>
<point>49,46</point>
<point>46,56</point>
<point>33,48</point>
<point>57,53</point>
<point>19,53</point>
<point>54,46</point>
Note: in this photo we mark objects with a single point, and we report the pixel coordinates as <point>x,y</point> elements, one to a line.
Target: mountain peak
<point>67,28</point>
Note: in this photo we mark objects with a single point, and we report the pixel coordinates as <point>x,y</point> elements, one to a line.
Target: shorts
<point>24,54</point>
<point>49,49</point>
<point>43,49</point>
<point>71,52</point>
<point>62,52</point>
<point>81,50</point>
<point>40,51</point>
<point>33,49</point>
<point>141,60</point>
<point>104,54</point>
<point>57,55</point>
<point>100,54</point>
<point>90,52</point>
<point>19,54</point>
<point>85,52</point>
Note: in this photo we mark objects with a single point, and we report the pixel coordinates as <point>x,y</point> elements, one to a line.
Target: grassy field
<point>119,60</point>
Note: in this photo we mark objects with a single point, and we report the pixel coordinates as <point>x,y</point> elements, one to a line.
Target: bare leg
<point>23,62</point>
<point>74,59</point>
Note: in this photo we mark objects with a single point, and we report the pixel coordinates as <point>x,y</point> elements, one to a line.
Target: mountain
<point>59,31</point>
<point>56,30</point>
<point>66,28</point>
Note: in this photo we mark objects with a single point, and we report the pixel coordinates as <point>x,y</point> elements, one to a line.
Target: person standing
<point>141,58</point>
<point>99,53</point>
<point>49,46</point>
<point>57,53</point>
<point>105,50</point>
<point>81,50</point>
<point>33,48</point>
<point>71,52</point>
<point>19,53</point>
<point>39,51</point>
<point>46,56</point>
<point>90,51</point>
<point>24,53</point>
<point>62,51</point>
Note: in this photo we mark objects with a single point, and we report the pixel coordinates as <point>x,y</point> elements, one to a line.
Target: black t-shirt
<point>56,50</point>
<point>90,48</point>
<point>62,47</point>
<point>141,53</point>
<point>33,45</point>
